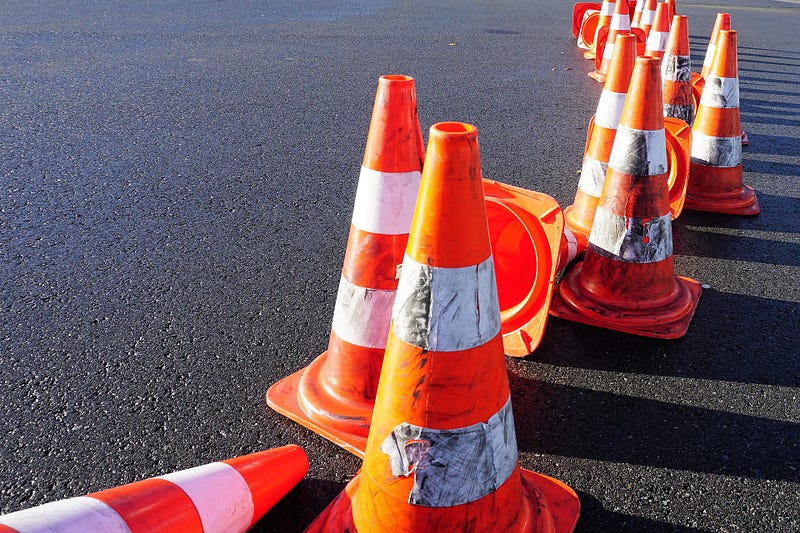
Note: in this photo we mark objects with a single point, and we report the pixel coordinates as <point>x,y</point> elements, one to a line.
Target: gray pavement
<point>177,180</point>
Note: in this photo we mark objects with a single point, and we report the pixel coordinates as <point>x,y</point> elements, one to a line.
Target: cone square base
<point>282,397</point>
<point>587,311</point>
<point>542,494</point>
<point>597,76</point>
<point>744,203</point>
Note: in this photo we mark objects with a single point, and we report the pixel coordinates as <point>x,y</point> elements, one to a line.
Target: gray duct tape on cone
<point>454,466</point>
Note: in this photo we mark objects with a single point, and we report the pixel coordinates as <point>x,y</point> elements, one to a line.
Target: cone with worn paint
<point>637,14</point>
<point>602,129</point>
<point>604,21</point>
<point>715,176</point>
<point>334,395</point>
<point>659,33</point>
<point>223,497</point>
<point>648,16</point>
<point>676,73</point>
<point>442,453</point>
<point>626,281</point>
<point>620,25</point>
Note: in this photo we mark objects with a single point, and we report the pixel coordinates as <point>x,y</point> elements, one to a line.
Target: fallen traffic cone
<point>334,395</point>
<point>442,453</point>
<point>626,281</point>
<point>715,177</point>
<point>648,16</point>
<point>637,14</point>
<point>676,73</point>
<point>603,21</point>
<point>620,25</point>
<point>223,497</point>
<point>579,10</point>
<point>527,235</point>
<point>602,129</point>
<point>588,28</point>
<point>659,33</point>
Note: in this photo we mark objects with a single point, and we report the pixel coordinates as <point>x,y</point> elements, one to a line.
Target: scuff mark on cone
<point>725,152</point>
<point>593,175</point>
<point>639,153</point>
<point>721,93</point>
<point>677,68</point>
<point>632,240</point>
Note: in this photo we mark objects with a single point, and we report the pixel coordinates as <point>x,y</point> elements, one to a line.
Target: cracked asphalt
<point>177,183</point>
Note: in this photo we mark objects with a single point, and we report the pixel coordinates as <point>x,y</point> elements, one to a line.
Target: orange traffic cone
<point>676,73</point>
<point>637,14</point>
<point>602,129</point>
<point>626,281</point>
<point>659,33</point>
<point>334,395</point>
<point>442,453</point>
<point>715,178</point>
<point>587,28</point>
<point>224,497</point>
<point>604,21</point>
<point>620,24</point>
<point>648,16</point>
<point>672,11</point>
<point>722,22</point>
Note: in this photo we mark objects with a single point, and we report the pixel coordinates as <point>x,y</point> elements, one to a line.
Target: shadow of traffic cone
<point>626,281</point>
<point>602,129</point>
<point>648,16</point>
<point>659,33</point>
<point>334,395</point>
<point>442,453</point>
<point>223,497</point>
<point>620,25</point>
<point>676,73</point>
<point>526,232</point>
<point>715,177</point>
<point>603,21</point>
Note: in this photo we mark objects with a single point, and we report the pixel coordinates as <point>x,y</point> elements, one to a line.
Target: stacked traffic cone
<point>626,281</point>
<point>637,14</point>
<point>676,73</point>
<point>442,453</point>
<point>659,33</point>
<point>648,16</point>
<point>604,21</point>
<point>620,25</point>
<point>715,179</point>
<point>334,395</point>
<point>224,497</point>
<point>602,129</point>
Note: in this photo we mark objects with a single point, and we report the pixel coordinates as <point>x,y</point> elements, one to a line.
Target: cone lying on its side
<point>715,179</point>
<point>224,497</point>
<point>676,73</point>
<point>602,129</point>
<point>620,25</point>
<point>588,28</point>
<point>441,454</point>
<point>626,281</point>
<point>604,21</point>
<point>659,33</point>
<point>648,16</point>
<point>334,395</point>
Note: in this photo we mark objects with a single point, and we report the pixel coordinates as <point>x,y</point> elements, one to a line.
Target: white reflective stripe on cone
<point>639,152</point>
<point>608,51</point>
<point>446,309</point>
<point>609,109</point>
<point>607,9</point>
<point>454,466</point>
<point>361,315</point>
<point>648,16</point>
<point>710,51</point>
<point>621,22</point>
<point>75,515</point>
<point>676,68</point>
<point>385,201</point>
<point>572,246</point>
<point>593,175</point>
<point>721,93</point>
<point>657,41</point>
<point>722,152</point>
<point>632,240</point>
<point>220,494</point>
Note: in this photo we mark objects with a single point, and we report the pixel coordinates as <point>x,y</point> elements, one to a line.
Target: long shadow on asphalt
<point>732,337</point>
<point>578,422</point>
<point>595,518</point>
<point>693,241</point>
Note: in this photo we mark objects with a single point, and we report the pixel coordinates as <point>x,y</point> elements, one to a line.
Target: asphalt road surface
<point>177,184</point>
